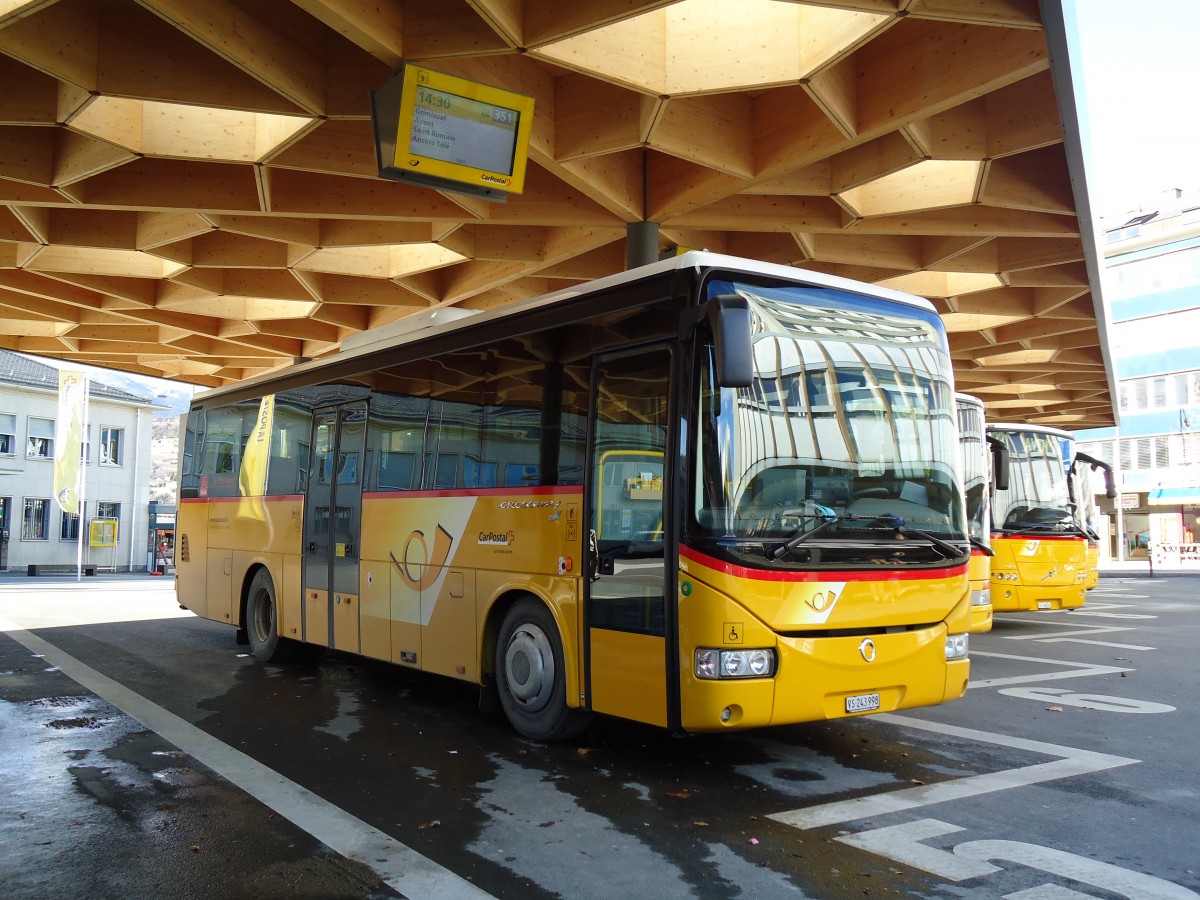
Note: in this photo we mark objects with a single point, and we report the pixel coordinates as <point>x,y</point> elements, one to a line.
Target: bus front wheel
<point>531,675</point>
<point>262,622</point>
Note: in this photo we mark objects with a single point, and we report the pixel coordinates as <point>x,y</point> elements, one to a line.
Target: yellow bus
<point>977,467</point>
<point>1040,546</point>
<point>704,494</point>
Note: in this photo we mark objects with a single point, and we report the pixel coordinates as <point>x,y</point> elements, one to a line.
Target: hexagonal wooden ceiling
<point>188,188</point>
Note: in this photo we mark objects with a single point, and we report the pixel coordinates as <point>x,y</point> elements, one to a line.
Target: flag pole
<point>83,445</point>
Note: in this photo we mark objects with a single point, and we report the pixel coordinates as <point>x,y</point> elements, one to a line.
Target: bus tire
<point>262,622</point>
<point>531,675</point>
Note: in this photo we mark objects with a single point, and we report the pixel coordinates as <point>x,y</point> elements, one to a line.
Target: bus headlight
<point>712,663</point>
<point>956,646</point>
<point>981,598</point>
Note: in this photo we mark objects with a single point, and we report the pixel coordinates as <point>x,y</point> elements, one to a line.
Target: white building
<point>116,476</point>
<point>1151,284</point>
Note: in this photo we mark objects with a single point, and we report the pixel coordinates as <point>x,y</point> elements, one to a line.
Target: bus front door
<point>628,575</point>
<point>332,514</point>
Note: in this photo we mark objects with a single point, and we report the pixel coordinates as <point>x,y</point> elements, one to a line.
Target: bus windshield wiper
<point>886,522</point>
<point>890,523</point>
<point>978,544</point>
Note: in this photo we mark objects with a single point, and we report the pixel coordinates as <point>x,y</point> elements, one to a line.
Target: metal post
<point>641,244</point>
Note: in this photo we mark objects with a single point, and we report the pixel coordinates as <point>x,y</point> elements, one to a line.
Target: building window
<point>1162,458</point>
<point>8,434</point>
<point>41,439</point>
<point>112,446</point>
<point>5,506</point>
<point>69,527</point>
<point>35,525</point>
<point>106,509</point>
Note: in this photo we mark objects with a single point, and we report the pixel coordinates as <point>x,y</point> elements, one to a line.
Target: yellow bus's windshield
<point>848,428</point>
<point>1037,498</point>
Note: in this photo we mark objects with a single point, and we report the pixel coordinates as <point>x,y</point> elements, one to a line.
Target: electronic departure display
<point>452,134</point>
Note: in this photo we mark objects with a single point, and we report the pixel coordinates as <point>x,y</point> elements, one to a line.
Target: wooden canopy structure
<point>189,189</point>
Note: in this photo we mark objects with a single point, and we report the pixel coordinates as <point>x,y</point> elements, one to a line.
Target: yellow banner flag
<point>68,438</point>
<point>252,477</point>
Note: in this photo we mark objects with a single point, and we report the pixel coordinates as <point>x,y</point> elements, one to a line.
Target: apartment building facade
<point>1151,283</point>
<point>34,531</point>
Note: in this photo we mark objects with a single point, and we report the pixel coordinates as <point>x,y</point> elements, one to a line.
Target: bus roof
<point>440,320</point>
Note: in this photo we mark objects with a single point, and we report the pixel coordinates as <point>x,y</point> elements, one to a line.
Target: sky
<point>1141,93</point>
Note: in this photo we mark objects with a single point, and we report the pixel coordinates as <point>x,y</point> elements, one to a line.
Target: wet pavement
<point>94,805</point>
<point>144,754</point>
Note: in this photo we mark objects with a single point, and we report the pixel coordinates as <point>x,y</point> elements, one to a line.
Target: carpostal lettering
<point>494,538</point>
<point>530,504</point>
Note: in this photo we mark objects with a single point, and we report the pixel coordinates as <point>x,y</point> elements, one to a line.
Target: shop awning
<point>1180,496</point>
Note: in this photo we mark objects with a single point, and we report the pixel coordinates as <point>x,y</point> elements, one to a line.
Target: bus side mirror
<point>1000,462</point>
<point>1110,487</point>
<point>729,318</point>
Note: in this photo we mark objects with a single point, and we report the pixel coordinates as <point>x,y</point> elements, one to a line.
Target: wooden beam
<point>544,22</point>
<point>435,30</point>
<point>1009,13</point>
<point>260,50</point>
<point>376,27</point>
<point>155,229</point>
<point>597,117</point>
<point>972,220</point>
<point>94,228</point>
<point>341,147</point>
<point>922,68</point>
<point>883,156</point>
<point>29,97</point>
<point>27,154</point>
<point>713,131</point>
<point>61,40</point>
<point>1037,180</point>
<point>1022,116</point>
<point>1028,253</point>
<point>310,194</point>
<point>79,156</point>
<point>144,56</point>
<point>163,184</point>
<point>750,213</point>
<point>613,182</point>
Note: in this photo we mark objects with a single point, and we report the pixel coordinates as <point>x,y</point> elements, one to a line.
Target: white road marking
<point>974,859</point>
<point>1073,637</point>
<point>1072,670</point>
<point>1072,761</point>
<point>1103,702</point>
<point>399,865</point>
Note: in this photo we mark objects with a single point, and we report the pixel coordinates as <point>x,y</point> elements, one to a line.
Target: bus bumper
<point>830,678</point>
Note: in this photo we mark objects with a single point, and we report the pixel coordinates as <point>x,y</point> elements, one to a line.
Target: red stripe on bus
<point>457,492</point>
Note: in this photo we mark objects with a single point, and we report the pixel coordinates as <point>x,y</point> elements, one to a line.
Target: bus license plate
<point>1045,604</point>
<point>862,703</point>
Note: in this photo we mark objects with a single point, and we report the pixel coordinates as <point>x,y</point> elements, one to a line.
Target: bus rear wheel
<point>262,622</point>
<point>531,675</point>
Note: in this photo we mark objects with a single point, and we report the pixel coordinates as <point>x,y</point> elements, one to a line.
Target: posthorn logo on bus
<point>867,649</point>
